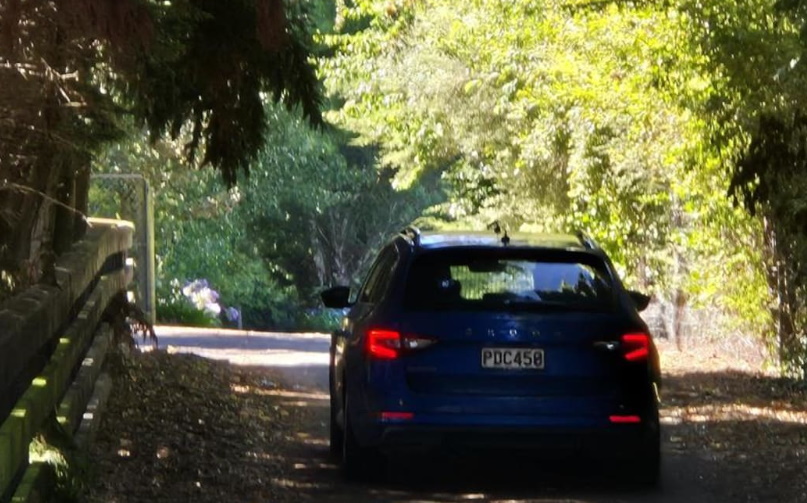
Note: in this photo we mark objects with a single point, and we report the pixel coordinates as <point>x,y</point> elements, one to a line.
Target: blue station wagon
<point>474,341</point>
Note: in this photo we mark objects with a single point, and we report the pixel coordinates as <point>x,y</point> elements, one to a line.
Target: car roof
<point>453,239</point>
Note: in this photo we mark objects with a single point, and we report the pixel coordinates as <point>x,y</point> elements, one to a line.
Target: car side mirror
<point>337,297</point>
<point>639,299</point>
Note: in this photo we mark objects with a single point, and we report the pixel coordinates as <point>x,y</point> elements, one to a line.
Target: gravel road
<point>300,361</point>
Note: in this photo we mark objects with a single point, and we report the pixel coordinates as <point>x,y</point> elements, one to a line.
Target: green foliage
<point>631,120</point>
<point>67,470</point>
<point>771,178</point>
<point>70,71</point>
<point>319,320</point>
<point>211,65</point>
<point>310,215</point>
<point>174,308</point>
<point>317,207</point>
<point>753,112</point>
<point>548,117</point>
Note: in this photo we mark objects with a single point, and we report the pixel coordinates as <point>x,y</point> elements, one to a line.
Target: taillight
<point>636,346</point>
<point>385,344</point>
<point>396,416</point>
<point>619,419</point>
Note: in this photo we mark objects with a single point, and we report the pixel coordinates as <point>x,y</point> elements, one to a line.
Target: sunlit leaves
<point>557,115</point>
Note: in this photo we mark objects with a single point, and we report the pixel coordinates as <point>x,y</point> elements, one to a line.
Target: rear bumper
<point>617,441</point>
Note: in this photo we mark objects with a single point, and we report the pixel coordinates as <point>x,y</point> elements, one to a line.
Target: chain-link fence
<point>128,197</point>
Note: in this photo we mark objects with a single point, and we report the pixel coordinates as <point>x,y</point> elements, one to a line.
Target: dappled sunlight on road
<point>282,380</point>
<point>287,373</point>
<point>314,395</point>
<point>732,412</point>
<point>265,426</point>
<point>186,425</point>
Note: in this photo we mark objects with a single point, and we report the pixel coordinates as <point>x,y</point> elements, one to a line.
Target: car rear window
<point>509,279</point>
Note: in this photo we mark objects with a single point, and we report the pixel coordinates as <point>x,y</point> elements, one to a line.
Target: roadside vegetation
<point>673,132</point>
<point>646,124</point>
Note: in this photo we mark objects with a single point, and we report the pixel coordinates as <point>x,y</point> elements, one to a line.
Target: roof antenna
<point>498,229</point>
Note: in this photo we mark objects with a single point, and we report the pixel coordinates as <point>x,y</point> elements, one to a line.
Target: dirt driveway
<point>184,428</point>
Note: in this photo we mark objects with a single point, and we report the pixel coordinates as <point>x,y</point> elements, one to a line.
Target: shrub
<point>319,320</point>
<point>193,305</point>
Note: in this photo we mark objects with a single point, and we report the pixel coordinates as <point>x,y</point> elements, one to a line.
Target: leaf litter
<point>180,427</point>
<point>184,428</point>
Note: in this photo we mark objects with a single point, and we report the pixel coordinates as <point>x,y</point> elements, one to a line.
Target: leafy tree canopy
<point>70,68</point>
<point>311,214</point>
<point>554,114</point>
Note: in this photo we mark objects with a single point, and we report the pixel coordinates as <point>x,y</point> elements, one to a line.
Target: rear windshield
<point>507,280</point>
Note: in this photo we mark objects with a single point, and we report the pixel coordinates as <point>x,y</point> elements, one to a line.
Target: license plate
<point>512,358</point>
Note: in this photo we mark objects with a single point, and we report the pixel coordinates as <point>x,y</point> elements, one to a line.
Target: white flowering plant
<point>195,303</point>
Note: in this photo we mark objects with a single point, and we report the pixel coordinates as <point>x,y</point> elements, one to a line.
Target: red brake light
<point>625,419</point>
<point>383,344</point>
<point>396,416</point>
<point>636,346</point>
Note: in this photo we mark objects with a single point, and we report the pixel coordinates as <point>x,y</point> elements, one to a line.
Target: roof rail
<point>412,233</point>
<point>586,240</point>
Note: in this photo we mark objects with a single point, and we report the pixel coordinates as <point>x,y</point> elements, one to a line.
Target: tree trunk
<point>82,202</point>
<point>782,283</point>
<point>28,246</point>
<point>63,218</point>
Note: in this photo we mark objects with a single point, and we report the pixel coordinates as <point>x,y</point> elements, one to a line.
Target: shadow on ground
<point>727,436</point>
<point>314,475</point>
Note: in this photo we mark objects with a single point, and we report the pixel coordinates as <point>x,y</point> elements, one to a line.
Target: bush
<point>319,320</point>
<point>184,306</point>
<point>182,312</point>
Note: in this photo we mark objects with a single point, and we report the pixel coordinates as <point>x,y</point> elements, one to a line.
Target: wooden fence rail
<point>45,335</point>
